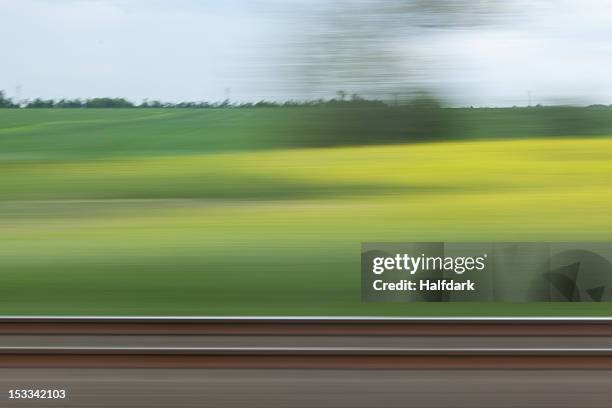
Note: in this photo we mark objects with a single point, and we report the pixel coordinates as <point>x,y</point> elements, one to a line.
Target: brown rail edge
<point>308,326</point>
<point>306,362</point>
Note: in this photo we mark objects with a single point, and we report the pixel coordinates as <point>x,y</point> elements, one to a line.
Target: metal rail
<point>506,350</point>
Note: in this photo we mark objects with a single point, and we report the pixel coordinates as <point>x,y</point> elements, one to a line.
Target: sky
<point>558,51</point>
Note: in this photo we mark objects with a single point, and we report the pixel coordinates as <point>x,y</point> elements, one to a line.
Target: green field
<point>238,212</point>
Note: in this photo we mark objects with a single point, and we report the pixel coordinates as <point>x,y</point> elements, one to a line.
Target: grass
<point>150,229</point>
<point>36,135</point>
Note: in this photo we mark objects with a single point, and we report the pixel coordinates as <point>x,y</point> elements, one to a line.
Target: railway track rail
<point>306,342</point>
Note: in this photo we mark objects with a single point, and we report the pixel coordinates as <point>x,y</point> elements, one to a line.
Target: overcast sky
<point>561,51</point>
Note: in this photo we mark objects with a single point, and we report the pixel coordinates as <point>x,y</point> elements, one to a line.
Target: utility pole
<point>529,99</point>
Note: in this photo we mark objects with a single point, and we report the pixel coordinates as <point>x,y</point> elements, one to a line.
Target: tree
<point>40,103</point>
<point>68,103</point>
<point>6,102</point>
<point>368,46</point>
<point>108,103</point>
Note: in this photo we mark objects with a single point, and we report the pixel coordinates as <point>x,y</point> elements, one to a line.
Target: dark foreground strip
<point>305,362</point>
<point>315,358</point>
<point>305,327</point>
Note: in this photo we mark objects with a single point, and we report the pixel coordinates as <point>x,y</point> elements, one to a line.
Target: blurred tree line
<point>353,120</point>
<point>354,100</point>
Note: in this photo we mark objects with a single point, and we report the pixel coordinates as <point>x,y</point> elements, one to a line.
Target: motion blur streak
<point>229,158</point>
<point>311,343</point>
<point>89,388</point>
<point>259,232</point>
